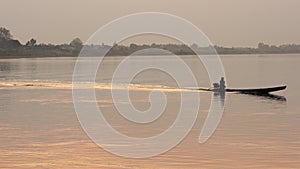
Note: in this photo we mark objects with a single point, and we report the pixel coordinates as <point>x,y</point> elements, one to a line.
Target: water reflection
<point>270,97</point>
<point>221,97</point>
<point>5,66</point>
<point>214,117</point>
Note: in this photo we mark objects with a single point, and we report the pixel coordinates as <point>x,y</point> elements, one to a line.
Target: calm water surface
<point>39,127</point>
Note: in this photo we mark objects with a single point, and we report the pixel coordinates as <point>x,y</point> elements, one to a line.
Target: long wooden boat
<point>258,91</point>
<point>254,91</point>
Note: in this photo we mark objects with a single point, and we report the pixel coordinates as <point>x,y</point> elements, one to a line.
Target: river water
<point>39,127</point>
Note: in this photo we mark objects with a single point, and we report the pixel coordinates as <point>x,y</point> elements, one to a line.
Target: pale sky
<point>225,22</point>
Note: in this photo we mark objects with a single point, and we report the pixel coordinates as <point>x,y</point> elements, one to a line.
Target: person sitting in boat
<point>222,84</point>
<point>220,87</point>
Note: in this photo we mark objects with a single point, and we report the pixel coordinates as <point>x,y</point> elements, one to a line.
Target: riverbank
<point>121,50</point>
<point>238,55</point>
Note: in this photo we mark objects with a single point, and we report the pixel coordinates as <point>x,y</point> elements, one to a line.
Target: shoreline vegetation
<point>11,48</point>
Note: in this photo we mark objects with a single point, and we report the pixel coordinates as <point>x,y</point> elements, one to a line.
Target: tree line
<point>11,47</point>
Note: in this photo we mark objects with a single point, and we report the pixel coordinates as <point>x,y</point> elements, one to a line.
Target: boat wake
<point>96,86</point>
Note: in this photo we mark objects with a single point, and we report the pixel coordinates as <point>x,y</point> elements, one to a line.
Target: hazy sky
<point>225,22</point>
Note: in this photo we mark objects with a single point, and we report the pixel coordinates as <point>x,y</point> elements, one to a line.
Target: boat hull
<point>258,91</point>
<point>254,91</point>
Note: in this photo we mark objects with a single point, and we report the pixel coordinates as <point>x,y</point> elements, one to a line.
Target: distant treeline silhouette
<point>11,47</point>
